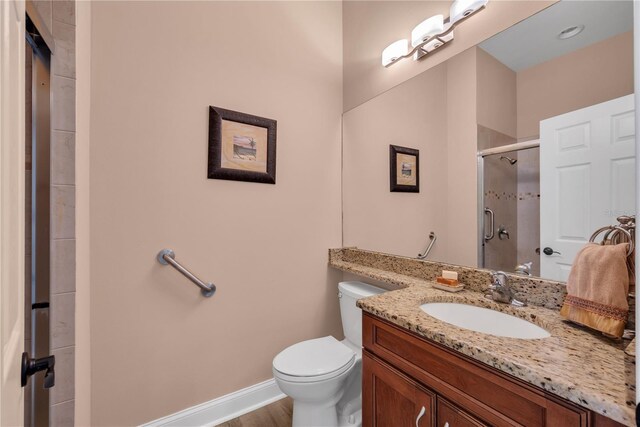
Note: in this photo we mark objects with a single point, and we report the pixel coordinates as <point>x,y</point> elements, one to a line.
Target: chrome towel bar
<point>433,238</point>
<point>168,257</point>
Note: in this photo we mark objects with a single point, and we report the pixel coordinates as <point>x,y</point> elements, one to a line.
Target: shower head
<point>509,159</point>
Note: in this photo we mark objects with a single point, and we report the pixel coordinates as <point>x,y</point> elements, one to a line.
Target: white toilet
<point>323,376</point>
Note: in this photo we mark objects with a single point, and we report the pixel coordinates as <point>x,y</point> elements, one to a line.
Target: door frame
<point>12,205</point>
<point>636,78</point>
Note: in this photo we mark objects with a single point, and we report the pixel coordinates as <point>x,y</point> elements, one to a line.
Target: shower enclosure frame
<point>518,146</point>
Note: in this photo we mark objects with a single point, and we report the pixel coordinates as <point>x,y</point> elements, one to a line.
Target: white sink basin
<point>484,320</point>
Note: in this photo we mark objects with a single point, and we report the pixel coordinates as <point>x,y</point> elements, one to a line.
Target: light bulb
<point>462,8</point>
<point>394,51</point>
<point>427,29</point>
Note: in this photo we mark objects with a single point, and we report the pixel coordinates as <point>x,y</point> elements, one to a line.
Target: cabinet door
<point>390,399</point>
<point>449,415</point>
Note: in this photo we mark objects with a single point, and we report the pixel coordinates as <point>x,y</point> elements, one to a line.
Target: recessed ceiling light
<point>569,32</point>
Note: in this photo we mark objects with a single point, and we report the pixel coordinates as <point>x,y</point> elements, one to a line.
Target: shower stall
<point>509,207</point>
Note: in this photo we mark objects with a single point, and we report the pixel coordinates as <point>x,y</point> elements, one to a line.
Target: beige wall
<point>157,346</point>
<point>399,223</point>
<point>370,26</point>
<point>496,97</point>
<point>375,218</point>
<point>462,134</point>
<point>594,74</point>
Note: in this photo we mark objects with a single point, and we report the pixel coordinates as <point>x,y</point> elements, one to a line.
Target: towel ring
<point>615,230</point>
<point>612,235</point>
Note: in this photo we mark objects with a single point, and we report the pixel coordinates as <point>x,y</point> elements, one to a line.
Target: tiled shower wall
<point>529,208</point>
<point>59,16</point>
<point>500,195</point>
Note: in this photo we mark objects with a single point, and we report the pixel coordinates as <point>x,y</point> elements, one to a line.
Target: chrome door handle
<point>422,411</point>
<point>492,216</point>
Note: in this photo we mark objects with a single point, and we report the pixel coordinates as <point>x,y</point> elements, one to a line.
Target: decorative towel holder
<point>613,233</point>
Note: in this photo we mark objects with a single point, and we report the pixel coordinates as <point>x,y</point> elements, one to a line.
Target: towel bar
<point>433,238</point>
<point>167,257</point>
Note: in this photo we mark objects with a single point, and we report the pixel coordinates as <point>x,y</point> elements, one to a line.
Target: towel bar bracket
<point>167,252</point>
<point>167,257</point>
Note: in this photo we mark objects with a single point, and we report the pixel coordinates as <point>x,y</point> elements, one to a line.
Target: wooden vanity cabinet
<point>393,398</point>
<point>403,372</point>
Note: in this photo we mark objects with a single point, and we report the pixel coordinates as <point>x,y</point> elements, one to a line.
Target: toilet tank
<point>349,293</point>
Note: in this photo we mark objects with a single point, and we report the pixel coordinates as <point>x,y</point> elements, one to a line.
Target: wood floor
<point>278,414</point>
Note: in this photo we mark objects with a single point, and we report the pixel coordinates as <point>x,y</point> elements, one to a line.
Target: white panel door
<point>12,119</point>
<point>587,178</point>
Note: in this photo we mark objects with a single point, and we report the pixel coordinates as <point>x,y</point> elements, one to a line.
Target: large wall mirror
<point>526,146</point>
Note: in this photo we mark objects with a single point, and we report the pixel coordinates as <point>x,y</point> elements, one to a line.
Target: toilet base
<point>309,415</point>
<point>354,420</point>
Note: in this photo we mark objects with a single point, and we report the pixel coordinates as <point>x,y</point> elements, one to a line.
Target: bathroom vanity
<point>408,381</point>
<point>418,370</point>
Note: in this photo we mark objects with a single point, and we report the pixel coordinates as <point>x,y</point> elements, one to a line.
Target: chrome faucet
<point>524,269</point>
<point>501,290</point>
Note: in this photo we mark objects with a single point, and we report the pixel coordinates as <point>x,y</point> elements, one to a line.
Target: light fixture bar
<point>418,51</point>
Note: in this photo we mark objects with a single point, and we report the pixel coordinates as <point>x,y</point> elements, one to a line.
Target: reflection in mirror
<point>526,140</point>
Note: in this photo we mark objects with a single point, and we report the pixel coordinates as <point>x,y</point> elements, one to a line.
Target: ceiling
<point>535,40</point>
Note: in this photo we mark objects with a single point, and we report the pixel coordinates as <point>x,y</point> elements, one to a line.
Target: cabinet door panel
<point>449,415</point>
<point>390,399</point>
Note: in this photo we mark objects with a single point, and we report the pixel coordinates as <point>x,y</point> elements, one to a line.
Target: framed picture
<point>242,147</point>
<point>404,168</point>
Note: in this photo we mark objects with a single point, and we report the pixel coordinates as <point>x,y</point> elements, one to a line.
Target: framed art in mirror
<point>404,169</point>
<point>242,147</point>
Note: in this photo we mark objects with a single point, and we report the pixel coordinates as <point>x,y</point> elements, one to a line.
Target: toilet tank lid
<point>359,290</point>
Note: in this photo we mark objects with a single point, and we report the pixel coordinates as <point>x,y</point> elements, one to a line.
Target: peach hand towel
<point>597,288</point>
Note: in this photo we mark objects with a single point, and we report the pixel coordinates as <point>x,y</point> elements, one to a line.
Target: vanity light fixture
<point>431,33</point>
<point>462,8</point>
<point>395,51</point>
<point>438,41</point>
<point>427,29</point>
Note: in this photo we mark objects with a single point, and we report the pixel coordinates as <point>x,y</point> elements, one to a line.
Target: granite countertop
<point>575,363</point>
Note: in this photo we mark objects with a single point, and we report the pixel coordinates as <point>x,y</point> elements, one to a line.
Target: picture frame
<point>404,167</point>
<point>242,147</point>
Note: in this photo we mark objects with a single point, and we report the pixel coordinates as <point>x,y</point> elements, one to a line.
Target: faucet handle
<point>499,278</point>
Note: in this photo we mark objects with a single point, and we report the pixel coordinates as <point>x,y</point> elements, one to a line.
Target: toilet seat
<point>313,360</point>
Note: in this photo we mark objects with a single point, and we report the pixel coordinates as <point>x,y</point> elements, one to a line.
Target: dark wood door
<point>449,415</point>
<point>391,399</point>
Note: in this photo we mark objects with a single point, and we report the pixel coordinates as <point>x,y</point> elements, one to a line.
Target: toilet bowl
<point>323,376</point>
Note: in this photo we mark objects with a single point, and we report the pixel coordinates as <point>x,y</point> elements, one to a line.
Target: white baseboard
<point>224,408</point>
